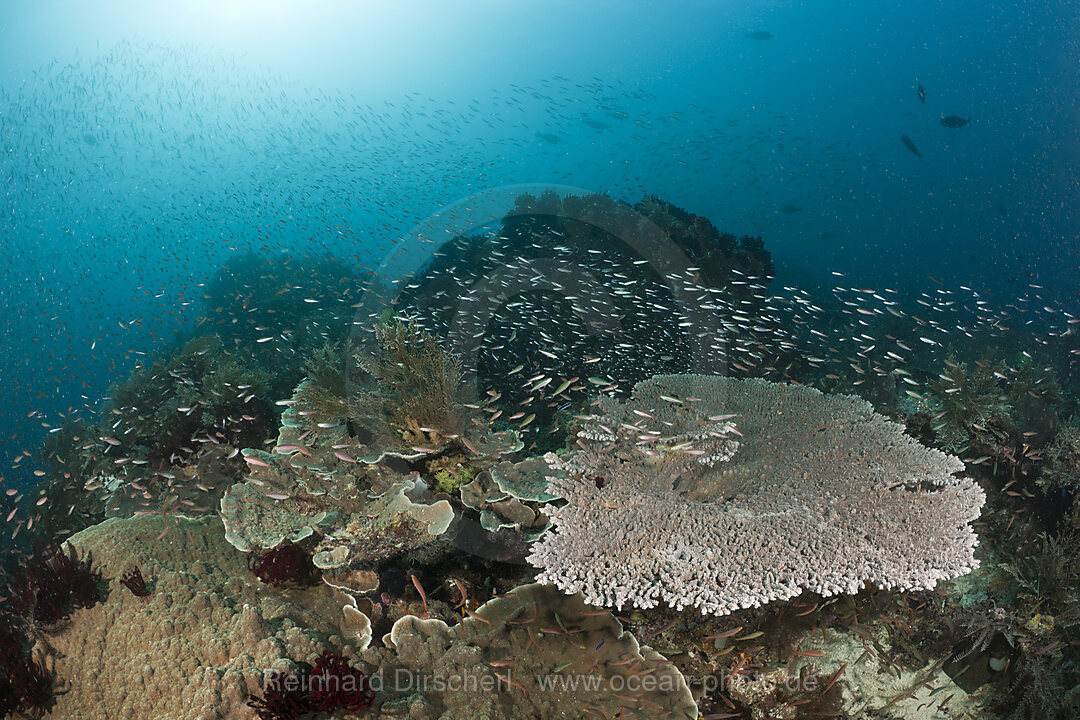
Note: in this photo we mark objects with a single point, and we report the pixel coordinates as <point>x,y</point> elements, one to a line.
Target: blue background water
<point>143,144</point>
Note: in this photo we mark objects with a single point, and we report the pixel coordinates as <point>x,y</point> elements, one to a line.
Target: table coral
<point>822,494</point>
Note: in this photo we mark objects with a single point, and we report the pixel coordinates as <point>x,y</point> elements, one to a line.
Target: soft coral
<point>331,685</point>
<point>26,686</point>
<point>285,697</point>
<point>337,685</point>
<point>284,564</point>
<point>52,584</point>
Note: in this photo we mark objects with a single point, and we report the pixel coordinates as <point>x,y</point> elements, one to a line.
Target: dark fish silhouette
<point>759,35</point>
<point>954,121</point>
<point>910,145</point>
<point>922,93</point>
<point>790,208</point>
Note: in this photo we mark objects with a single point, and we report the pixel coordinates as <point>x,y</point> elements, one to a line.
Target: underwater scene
<point>609,360</point>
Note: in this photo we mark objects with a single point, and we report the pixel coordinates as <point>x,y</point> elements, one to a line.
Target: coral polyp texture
<point>821,494</point>
<point>202,644</point>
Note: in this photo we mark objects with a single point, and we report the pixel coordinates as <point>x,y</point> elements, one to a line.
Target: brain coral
<point>821,494</point>
<point>197,646</point>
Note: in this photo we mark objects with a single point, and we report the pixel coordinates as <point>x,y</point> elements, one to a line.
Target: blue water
<point>145,144</point>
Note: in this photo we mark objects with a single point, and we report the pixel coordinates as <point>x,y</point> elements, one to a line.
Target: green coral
<point>449,481</point>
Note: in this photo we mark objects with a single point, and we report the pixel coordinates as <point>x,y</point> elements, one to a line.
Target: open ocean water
<point>548,360</point>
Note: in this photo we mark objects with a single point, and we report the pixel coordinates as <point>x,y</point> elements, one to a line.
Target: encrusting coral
<point>822,494</point>
<point>531,653</point>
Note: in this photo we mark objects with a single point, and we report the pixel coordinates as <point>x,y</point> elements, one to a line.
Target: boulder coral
<point>198,647</point>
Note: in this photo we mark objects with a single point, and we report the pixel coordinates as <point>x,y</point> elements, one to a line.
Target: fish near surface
<point>910,145</point>
<point>954,121</point>
<point>759,35</point>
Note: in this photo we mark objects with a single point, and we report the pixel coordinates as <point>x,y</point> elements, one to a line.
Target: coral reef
<point>391,524</point>
<point>1063,459</point>
<point>53,583</point>
<point>965,403</point>
<point>294,305</point>
<point>198,647</point>
<point>784,552</point>
<point>288,563</point>
<point>255,521</point>
<point>1033,396</point>
<point>1048,578</point>
<point>163,442</point>
<point>348,479</point>
<point>324,391</point>
<point>920,691</point>
<point>822,494</point>
<point>416,381</point>
<point>508,495</point>
<point>202,391</point>
<point>532,653</point>
<point>572,287</point>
